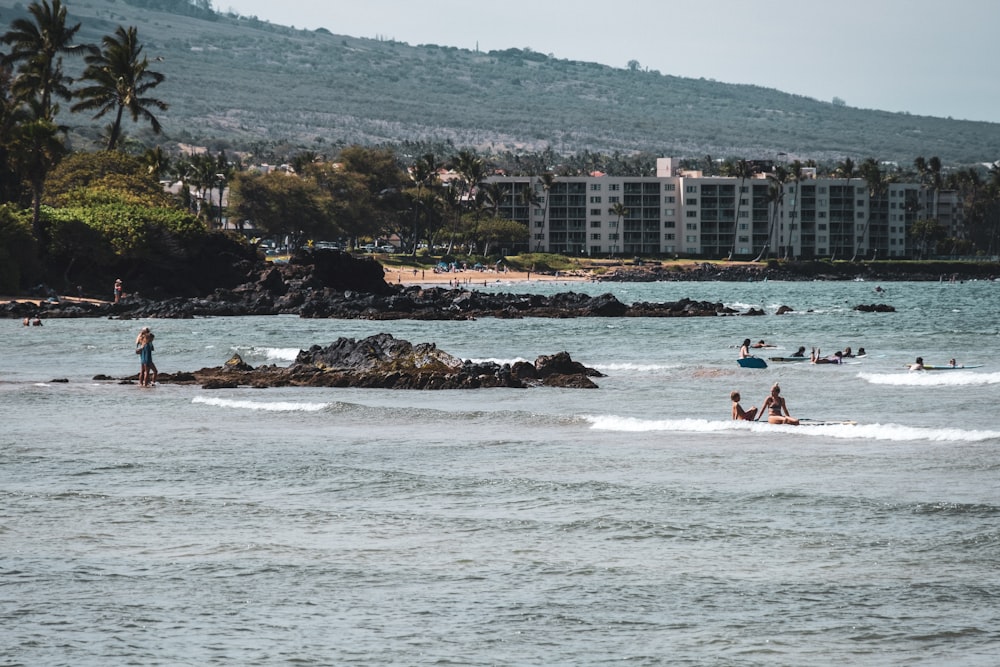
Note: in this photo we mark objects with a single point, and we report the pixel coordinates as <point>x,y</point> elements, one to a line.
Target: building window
<point>668,213</point>
<point>614,187</point>
<point>539,223</point>
<point>692,226</point>
<point>595,237</point>
<point>595,200</point>
<point>540,237</point>
<point>821,214</point>
<point>669,236</point>
<point>669,187</point>
<point>613,237</point>
<point>595,187</point>
<point>693,189</point>
<point>612,200</point>
<point>692,239</point>
<point>692,214</point>
<point>595,211</point>
<point>669,224</point>
<point>670,199</point>
<point>595,224</point>
<point>691,202</point>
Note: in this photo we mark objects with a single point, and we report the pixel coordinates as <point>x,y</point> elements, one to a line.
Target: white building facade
<point>712,217</point>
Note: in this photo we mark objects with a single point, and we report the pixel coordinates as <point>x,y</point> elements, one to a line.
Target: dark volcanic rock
<point>385,362</point>
<point>875,308</point>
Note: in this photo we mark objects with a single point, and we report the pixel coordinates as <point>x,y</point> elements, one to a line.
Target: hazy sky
<point>925,57</point>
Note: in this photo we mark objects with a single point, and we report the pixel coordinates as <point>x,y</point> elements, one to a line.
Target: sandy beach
<point>471,277</point>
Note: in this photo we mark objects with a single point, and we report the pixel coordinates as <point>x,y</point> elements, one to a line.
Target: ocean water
<point>632,524</point>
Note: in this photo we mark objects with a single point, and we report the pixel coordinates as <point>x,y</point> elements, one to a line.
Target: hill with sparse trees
<point>237,82</point>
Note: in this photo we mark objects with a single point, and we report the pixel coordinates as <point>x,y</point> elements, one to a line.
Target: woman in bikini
<point>776,409</point>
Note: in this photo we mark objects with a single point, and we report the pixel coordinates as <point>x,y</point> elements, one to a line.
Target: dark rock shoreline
<point>330,284</point>
<point>385,362</point>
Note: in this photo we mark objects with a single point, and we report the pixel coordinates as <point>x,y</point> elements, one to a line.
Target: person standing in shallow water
<point>144,348</point>
<point>118,290</point>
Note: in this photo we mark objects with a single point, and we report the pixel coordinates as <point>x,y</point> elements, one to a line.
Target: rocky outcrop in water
<point>385,362</point>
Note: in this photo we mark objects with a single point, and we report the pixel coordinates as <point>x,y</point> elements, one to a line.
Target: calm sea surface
<point>633,524</point>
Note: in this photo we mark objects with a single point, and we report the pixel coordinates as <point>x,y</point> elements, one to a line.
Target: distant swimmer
<point>761,343</point>
<point>777,409</point>
<point>739,413</point>
<point>801,352</point>
<point>745,349</point>
<point>918,365</point>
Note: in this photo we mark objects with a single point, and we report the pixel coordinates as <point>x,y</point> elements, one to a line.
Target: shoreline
<point>474,278</point>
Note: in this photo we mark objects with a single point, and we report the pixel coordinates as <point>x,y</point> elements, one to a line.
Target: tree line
<point>68,214</point>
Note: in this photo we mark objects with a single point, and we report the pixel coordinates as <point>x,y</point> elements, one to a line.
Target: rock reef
<point>385,362</point>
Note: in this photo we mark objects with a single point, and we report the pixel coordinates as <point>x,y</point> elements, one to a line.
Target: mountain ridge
<point>235,81</point>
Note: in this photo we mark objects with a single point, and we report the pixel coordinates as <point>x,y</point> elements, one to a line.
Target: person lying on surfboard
<point>835,358</point>
<point>776,408</point>
<point>738,412</point>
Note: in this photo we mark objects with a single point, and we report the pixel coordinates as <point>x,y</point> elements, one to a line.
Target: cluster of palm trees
<point>34,79</point>
<point>978,189</point>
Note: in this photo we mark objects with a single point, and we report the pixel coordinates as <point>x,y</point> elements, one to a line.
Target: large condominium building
<point>684,213</point>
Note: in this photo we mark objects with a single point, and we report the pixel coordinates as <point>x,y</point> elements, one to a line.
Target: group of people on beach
<point>144,348</point>
<point>774,405</point>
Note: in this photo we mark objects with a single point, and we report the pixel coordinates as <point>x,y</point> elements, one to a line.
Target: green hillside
<point>236,82</point>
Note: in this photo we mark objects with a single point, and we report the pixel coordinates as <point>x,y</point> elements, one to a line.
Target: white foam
<point>892,432</point>
<point>269,353</point>
<point>638,368</point>
<point>956,378</point>
<point>268,406</point>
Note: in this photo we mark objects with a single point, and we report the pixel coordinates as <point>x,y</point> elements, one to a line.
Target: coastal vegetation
<point>82,203</point>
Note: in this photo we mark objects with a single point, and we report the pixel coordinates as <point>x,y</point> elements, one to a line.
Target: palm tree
<point>472,170</point>
<point>157,162</point>
<point>744,170</point>
<point>548,179</point>
<point>37,48</point>
<point>871,172</point>
<point>795,176</point>
<point>529,199</point>
<point>846,171</point>
<point>619,210</point>
<point>775,197</point>
<point>423,174</point>
<point>120,78</point>
<point>35,148</point>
